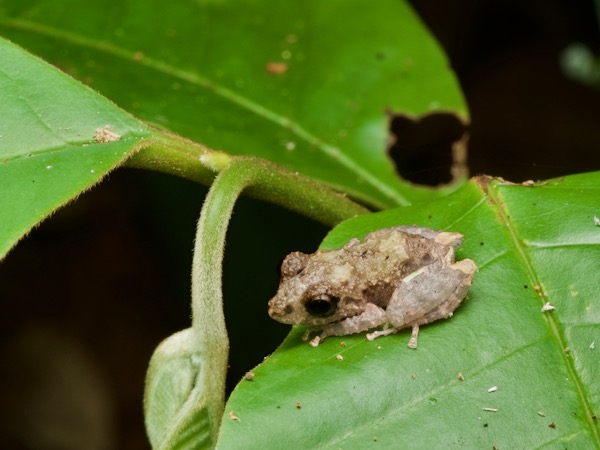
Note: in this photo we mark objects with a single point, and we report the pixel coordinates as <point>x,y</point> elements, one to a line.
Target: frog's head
<point>315,290</point>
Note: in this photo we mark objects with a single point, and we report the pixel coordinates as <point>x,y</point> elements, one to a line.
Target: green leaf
<point>202,69</point>
<point>175,409</point>
<point>533,244</point>
<point>48,150</point>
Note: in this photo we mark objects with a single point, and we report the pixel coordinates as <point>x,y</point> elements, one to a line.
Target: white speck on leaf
<point>593,345</point>
<point>490,409</point>
<point>48,167</point>
<point>232,416</point>
<point>290,145</point>
<point>597,221</point>
<point>493,389</point>
<point>547,307</point>
<point>339,357</point>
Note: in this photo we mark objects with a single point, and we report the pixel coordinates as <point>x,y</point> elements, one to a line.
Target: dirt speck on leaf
<point>104,135</point>
<point>276,68</point>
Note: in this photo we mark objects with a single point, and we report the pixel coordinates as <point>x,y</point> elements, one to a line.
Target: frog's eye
<point>322,306</point>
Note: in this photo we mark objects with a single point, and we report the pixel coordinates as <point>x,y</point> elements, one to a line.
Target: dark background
<point>91,292</point>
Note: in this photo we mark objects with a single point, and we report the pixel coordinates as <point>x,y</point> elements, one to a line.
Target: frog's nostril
<point>278,311</point>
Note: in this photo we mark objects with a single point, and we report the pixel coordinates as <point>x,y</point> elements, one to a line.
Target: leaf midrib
<point>160,66</point>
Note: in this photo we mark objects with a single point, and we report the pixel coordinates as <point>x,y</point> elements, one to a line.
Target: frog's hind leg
<point>412,343</point>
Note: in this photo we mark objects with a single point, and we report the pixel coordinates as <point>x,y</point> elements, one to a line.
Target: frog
<point>395,278</point>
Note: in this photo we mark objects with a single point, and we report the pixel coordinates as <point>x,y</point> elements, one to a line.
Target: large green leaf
<point>201,69</point>
<point>49,150</point>
<point>533,244</point>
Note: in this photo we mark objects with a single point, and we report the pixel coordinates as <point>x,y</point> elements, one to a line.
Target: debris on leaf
<point>298,405</point>
<point>597,221</point>
<point>493,389</point>
<point>541,414</point>
<point>249,376</point>
<point>490,409</point>
<point>232,416</point>
<point>547,307</point>
<point>460,376</point>
<point>103,135</point>
<point>339,357</point>
<point>277,68</point>
<point>538,289</point>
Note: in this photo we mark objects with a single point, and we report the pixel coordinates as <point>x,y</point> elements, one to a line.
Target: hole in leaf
<point>429,150</point>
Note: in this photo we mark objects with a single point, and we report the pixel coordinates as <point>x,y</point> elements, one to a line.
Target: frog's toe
<point>315,341</point>
<point>412,343</point>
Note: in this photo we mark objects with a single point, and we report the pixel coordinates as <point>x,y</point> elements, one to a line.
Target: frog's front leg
<point>433,292</point>
<point>372,317</point>
<point>412,343</point>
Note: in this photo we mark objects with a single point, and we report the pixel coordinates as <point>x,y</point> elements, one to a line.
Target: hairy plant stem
<point>203,349</point>
<point>264,180</point>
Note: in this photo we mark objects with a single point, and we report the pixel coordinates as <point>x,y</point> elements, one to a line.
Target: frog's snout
<point>279,311</point>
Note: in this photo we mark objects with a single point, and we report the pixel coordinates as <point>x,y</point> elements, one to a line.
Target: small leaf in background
<point>173,395</point>
<point>499,372</point>
<point>311,85</point>
<point>579,63</point>
<point>57,139</point>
